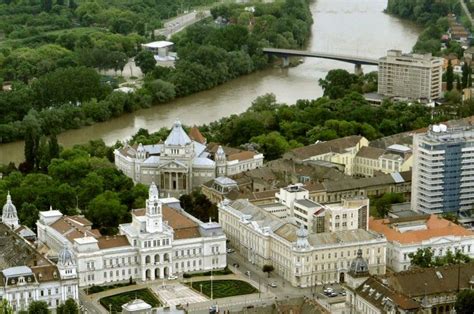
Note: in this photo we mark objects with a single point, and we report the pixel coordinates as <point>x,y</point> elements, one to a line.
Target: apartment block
<point>413,76</point>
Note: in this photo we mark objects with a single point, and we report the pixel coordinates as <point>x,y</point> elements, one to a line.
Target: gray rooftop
<point>17,271</point>
<point>307,203</point>
<point>177,136</point>
<point>345,236</point>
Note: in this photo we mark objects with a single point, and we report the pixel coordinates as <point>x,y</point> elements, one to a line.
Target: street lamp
<point>200,285</point>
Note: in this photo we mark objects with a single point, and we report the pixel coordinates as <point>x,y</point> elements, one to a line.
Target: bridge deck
<point>322,55</point>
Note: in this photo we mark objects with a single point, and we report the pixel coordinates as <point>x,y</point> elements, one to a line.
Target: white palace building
<point>161,240</point>
<point>183,161</point>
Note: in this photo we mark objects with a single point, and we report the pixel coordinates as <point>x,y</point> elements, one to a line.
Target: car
<point>272,284</point>
<point>333,294</point>
<point>327,291</point>
<point>172,277</point>
<point>230,251</point>
<point>343,292</point>
<point>236,265</point>
<point>247,272</point>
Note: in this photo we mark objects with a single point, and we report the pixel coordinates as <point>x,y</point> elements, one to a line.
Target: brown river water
<point>347,27</point>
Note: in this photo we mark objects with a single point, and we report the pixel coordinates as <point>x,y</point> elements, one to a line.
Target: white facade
<point>180,164</point>
<point>301,257</point>
<point>160,241</point>
<point>412,76</point>
<point>406,236</point>
<point>443,170</point>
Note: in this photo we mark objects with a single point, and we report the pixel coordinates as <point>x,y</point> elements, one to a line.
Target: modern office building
<point>412,76</point>
<point>443,170</point>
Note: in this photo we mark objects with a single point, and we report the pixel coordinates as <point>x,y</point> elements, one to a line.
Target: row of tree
<point>81,180</point>
<point>41,307</point>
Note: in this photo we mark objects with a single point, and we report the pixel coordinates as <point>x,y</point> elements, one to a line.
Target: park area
<point>114,303</point>
<point>224,288</point>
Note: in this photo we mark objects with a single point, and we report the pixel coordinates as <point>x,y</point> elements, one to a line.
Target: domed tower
<point>9,214</point>
<point>302,238</point>
<point>66,263</point>
<point>221,162</point>
<point>154,221</point>
<point>358,272</point>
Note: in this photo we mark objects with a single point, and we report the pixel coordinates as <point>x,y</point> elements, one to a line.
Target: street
<point>178,23</point>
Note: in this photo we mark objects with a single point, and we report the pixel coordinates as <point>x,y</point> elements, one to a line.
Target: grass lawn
<point>120,299</point>
<point>224,288</point>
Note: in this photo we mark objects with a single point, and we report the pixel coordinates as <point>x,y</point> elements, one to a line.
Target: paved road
<point>178,23</point>
<point>466,10</point>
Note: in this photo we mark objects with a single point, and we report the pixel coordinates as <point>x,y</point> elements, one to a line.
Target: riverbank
<point>288,85</point>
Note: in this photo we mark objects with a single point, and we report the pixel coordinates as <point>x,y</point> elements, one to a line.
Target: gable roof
<point>335,146</point>
<point>73,227</point>
<point>196,135</point>
<point>376,293</point>
<point>370,152</point>
<point>439,280</point>
<point>112,242</point>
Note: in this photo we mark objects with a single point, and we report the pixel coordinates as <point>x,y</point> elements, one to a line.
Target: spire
<point>153,192</point>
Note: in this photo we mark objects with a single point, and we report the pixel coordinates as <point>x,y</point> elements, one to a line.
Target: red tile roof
<point>435,227</point>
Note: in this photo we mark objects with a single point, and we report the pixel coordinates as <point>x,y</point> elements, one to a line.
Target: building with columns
<point>161,240</point>
<point>182,162</point>
<point>300,256</point>
<point>26,274</point>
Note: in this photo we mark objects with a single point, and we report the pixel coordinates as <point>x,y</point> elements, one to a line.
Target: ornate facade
<point>161,240</point>
<point>25,274</point>
<point>182,163</point>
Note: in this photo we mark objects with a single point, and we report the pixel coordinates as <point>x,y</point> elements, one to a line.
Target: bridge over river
<point>286,53</point>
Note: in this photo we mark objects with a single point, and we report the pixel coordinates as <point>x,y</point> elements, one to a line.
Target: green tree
<point>107,212</point>
<point>38,307</point>
<point>337,83</point>
<point>5,307</point>
<point>422,257</point>
<point>69,307</point>
<point>273,144</point>
<point>145,61</point>
<point>160,90</point>
<point>466,69</point>
<point>449,76</point>
<point>465,302</point>
<point>268,269</point>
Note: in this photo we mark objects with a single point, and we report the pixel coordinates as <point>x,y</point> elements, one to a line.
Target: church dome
<point>359,265</point>
<point>65,257</point>
<point>9,210</point>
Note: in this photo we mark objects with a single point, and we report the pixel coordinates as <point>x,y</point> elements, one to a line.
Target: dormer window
<point>55,275</point>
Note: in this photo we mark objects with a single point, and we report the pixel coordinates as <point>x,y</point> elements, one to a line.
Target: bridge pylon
<point>358,69</point>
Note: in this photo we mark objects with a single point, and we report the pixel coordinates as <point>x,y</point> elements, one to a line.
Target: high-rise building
<point>443,170</point>
<point>413,76</point>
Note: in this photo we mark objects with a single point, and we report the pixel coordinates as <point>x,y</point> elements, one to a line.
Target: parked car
<point>333,294</point>
<point>247,272</point>
<point>328,291</point>
<point>343,292</point>
<point>172,277</point>
<point>272,284</point>
<point>230,250</point>
<point>236,265</point>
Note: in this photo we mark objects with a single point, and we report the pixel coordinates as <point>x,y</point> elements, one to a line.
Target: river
<point>349,27</point>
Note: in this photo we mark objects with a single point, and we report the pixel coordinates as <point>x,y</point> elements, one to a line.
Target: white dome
<point>9,210</point>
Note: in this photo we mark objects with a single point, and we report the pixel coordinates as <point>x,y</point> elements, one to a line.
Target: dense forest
<point>86,37</point>
<point>432,15</point>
